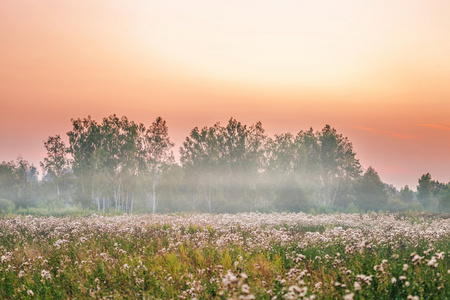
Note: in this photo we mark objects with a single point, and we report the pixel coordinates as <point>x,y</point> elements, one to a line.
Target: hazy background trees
<point>119,165</point>
<point>56,169</point>
<point>19,183</point>
<point>371,192</point>
<point>222,164</point>
<point>156,152</point>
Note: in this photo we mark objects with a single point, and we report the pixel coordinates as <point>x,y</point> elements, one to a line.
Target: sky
<point>377,71</point>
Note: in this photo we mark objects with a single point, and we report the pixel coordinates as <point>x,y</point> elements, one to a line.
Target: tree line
<point>120,165</point>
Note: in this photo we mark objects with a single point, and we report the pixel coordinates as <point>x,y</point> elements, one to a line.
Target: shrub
<point>55,212</point>
<point>293,198</point>
<point>444,201</point>
<point>6,206</point>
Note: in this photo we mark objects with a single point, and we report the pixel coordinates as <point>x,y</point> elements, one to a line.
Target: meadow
<point>224,256</point>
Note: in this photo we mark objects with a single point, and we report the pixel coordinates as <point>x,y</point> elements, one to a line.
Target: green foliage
<point>425,192</point>
<point>222,165</point>
<point>118,165</point>
<point>444,200</point>
<point>325,209</point>
<point>293,198</point>
<point>6,206</point>
<point>370,191</point>
<point>397,205</point>
<point>352,208</point>
<point>19,182</point>
<point>56,169</point>
<point>406,194</point>
<point>114,161</point>
<point>55,211</point>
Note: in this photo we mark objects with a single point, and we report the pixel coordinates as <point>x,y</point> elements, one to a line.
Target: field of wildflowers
<point>242,256</point>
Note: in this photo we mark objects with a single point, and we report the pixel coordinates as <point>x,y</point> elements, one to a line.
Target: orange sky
<point>378,71</point>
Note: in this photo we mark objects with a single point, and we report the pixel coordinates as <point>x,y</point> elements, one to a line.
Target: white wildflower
<point>245,288</point>
<point>46,274</point>
<point>432,262</point>
<point>349,296</point>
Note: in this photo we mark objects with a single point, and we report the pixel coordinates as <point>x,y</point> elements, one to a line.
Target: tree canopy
<point>117,164</point>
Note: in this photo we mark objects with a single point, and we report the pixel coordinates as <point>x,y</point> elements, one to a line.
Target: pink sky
<point>377,71</point>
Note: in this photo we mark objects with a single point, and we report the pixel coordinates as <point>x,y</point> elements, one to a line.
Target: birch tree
<point>56,164</point>
<point>337,162</point>
<point>224,161</point>
<point>157,152</point>
<point>85,148</point>
<point>200,156</point>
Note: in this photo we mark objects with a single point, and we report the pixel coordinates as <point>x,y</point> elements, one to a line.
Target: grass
<point>290,256</point>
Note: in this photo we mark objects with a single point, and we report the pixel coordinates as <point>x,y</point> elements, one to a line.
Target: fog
<point>117,165</point>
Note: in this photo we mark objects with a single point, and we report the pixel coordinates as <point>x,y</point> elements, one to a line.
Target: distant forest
<point>117,165</point>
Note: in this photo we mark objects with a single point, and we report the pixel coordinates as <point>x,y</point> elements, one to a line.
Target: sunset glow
<point>377,71</point>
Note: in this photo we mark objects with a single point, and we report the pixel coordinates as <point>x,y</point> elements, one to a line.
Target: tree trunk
<point>154,195</point>
<point>132,201</point>
<point>118,194</point>
<point>93,187</point>
<point>58,193</point>
<point>208,198</point>
<point>335,192</point>
<point>117,197</point>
